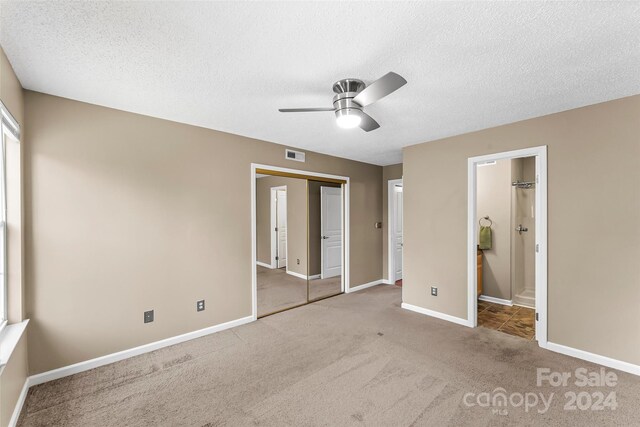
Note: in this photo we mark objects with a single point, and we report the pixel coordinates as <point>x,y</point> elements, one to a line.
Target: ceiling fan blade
<point>367,123</point>
<point>304,110</point>
<point>382,87</point>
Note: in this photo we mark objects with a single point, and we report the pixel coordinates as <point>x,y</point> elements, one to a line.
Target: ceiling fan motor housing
<point>346,90</point>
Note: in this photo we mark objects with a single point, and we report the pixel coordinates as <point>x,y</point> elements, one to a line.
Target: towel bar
<point>487,219</point>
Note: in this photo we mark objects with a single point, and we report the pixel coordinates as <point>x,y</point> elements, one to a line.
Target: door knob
<point>325,237</point>
<point>520,229</point>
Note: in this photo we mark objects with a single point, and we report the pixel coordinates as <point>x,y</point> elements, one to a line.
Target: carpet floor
<point>355,359</point>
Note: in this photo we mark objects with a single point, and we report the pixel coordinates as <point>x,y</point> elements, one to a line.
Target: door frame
<point>540,154</point>
<point>273,222</point>
<point>345,227</point>
<point>391,216</point>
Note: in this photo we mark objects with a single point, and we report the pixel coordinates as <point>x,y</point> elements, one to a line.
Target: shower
<point>523,232</point>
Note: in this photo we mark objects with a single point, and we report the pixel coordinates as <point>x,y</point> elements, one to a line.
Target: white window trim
<point>9,125</point>
<point>9,122</point>
<point>4,283</point>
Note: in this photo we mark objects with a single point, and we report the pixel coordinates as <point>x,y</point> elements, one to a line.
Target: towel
<point>485,239</point>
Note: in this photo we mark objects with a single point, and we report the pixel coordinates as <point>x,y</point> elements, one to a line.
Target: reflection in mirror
<point>281,243</point>
<point>325,239</point>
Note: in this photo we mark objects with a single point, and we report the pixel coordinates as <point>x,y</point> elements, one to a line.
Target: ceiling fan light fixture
<point>351,95</point>
<point>348,118</point>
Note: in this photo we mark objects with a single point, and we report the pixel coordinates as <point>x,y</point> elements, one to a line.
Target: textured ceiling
<point>230,65</point>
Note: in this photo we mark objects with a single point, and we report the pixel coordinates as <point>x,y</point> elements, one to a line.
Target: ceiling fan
<point>352,95</point>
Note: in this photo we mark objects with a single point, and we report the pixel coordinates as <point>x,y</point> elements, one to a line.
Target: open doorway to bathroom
<point>506,245</point>
<point>507,196</point>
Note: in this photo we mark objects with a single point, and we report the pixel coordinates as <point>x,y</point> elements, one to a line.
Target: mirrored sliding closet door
<point>325,239</point>
<point>281,243</point>
<point>299,241</point>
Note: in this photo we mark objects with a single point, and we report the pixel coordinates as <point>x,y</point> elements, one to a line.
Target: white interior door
<point>281,227</point>
<point>397,232</point>
<point>331,229</point>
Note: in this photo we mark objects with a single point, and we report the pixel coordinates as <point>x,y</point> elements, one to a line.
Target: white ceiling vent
<point>298,156</point>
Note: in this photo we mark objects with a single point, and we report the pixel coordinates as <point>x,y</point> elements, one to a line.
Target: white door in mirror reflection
<point>331,229</point>
<point>397,235</point>
<point>281,221</point>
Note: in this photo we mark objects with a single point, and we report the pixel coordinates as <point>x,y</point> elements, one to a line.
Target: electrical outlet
<point>434,291</point>
<point>148,316</point>
<point>298,261</point>
<point>200,305</point>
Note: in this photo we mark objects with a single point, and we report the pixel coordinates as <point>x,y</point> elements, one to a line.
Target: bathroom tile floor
<point>512,320</point>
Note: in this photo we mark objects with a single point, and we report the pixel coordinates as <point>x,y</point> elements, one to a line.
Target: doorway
<point>330,231</point>
<point>395,231</point>
<point>279,227</point>
<point>507,263</point>
<point>505,204</point>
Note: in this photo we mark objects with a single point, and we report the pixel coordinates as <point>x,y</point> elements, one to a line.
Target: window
<point>9,130</point>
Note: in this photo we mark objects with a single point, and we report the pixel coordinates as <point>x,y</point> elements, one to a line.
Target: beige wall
<point>10,89</point>
<point>388,173</point>
<point>296,221</point>
<point>126,213</point>
<point>494,200</point>
<point>14,375</point>
<point>593,227</point>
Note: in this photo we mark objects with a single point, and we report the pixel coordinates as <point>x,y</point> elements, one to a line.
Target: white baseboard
<point>298,275</point>
<point>125,354</point>
<point>19,404</point>
<point>388,282</point>
<point>302,276</point>
<point>496,300</point>
<point>447,317</point>
<point>366,285</point>
<point>595,358</point>
<point>265,265</point>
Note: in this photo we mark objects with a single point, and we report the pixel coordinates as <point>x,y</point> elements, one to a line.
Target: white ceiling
<point>230,65</point>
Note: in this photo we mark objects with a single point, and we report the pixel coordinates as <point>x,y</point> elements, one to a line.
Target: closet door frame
<point>257,168</point>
